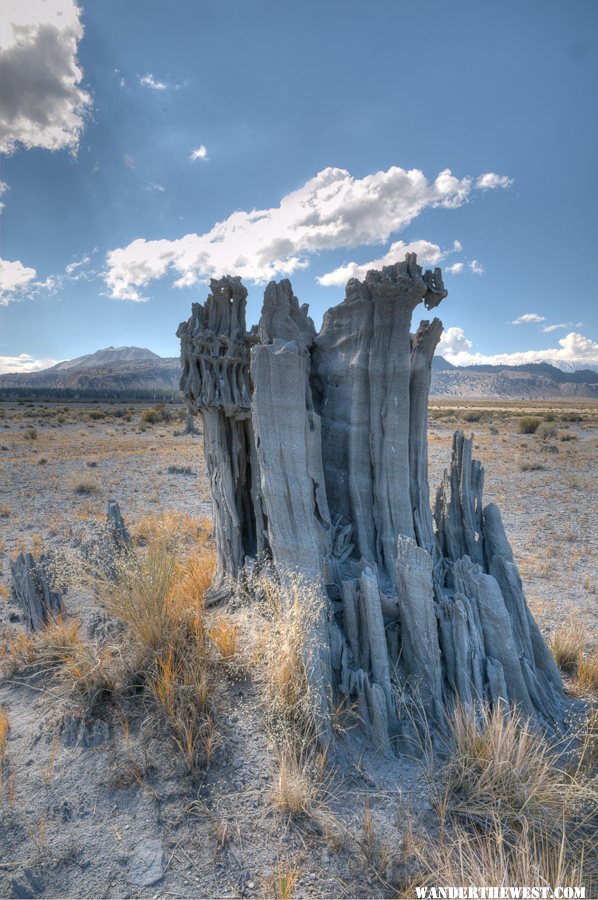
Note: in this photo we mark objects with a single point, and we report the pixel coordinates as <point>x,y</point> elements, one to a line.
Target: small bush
<point>156,414</point>
<point>528,425</point>
<point>532,467</point>
<point>567,436</point>
<point>42,461</point>
<point>86,488</point>
<point>30,434</point>
<point>180,470</point>
<point>546,430</point>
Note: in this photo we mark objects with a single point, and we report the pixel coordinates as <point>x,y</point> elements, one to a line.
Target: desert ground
<point>106,799</point>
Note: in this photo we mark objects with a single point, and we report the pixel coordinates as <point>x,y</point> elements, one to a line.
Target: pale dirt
<point>91,806</point>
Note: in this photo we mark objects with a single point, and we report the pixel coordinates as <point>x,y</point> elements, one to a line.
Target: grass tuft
<point>566,644</point>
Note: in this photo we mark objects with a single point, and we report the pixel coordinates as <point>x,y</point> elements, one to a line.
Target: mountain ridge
<point>122,371</point>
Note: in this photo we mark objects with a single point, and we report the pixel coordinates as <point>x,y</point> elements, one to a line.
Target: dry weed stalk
<point>284,880</point>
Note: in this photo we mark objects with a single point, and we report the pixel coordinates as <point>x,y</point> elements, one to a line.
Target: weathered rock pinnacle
<point>316,448</point>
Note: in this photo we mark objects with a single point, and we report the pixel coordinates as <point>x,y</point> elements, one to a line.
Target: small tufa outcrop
<point>316,449</point>
<point>32,591</point>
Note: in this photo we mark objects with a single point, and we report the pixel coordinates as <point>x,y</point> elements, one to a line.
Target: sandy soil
<point>108,809</point>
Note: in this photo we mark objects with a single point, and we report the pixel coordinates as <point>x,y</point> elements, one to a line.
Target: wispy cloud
<point>476,267</point>
<point>3,189</point>
<point>528,319</point>
<point>13,365</point>
<point>330,211</point>
<point>199,153</point>
<point>155,84</point>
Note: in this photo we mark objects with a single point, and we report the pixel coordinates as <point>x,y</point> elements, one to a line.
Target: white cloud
<point>427,255</point>
<point>12,365</point>
<point>150,82</point>
<point>15,278</point>
<point>455,269</point>
<point>330,211</point>
<point>154,186</point>
<point>574,347</point>
<point>42,103</point>
<point>199,153</point>
<point>549,328</point>
<point>528,319</point>
<point>490,180</point>
<point>3,189</point>
<point>452,342</point>
<point>76,264</point>
<point>476,267</point>
<point>129,161</point>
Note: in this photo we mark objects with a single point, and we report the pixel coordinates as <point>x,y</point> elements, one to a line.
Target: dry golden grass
<point>83,677</point>
<point>4,729</point>
<point>566,643</point>
<point>176,529</point>
<point>463,857</point>
<point>224,633</point>
<point>159,595</point>
<point>295,792</point>
<point>507,809</point>
<point>283,882</point>
<point>585,680</point>
<point>287,616</point>
<point>501,764</point>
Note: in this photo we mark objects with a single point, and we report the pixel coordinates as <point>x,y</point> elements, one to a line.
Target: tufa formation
<point>316,450</point>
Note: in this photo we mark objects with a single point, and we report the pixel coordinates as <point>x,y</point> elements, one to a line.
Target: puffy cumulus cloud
<point>573,348</point>
<point>12,365</point>
<point>490,180</point>
<point>452,342</point>
<point>476,267</point>
<point>330,211</point>
<point>15,278</point>
<point>200,153</point>
<point>455,269</point>
<point>42,103</point>
<point>427,255</point>
<point>528,319</point>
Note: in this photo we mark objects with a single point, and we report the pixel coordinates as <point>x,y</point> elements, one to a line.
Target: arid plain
<point>111,803</point>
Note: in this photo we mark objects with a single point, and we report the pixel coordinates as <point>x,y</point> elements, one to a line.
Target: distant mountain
<point>109,356</point>
<point>440,364</point>
<point>137,373</point>
<point>531,381</point>
<point>113,372</point>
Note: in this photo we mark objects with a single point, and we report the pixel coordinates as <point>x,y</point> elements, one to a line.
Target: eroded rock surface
<point>316,447</point>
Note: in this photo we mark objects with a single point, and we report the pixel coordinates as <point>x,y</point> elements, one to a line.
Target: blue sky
<point>338,121</point>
